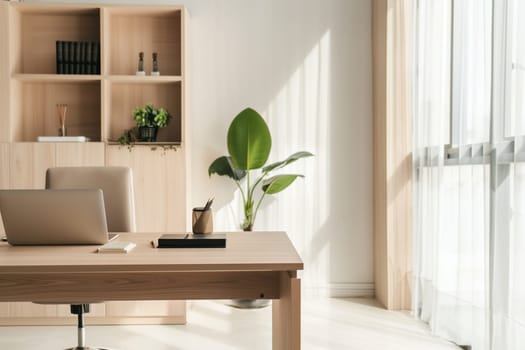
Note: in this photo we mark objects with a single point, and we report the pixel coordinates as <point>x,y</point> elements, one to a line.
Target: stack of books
<point>77,57</point>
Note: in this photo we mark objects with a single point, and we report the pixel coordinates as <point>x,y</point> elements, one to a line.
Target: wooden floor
<point>332,324</point>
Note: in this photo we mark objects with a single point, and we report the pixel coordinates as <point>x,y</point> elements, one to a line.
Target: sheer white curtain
<point>433,78</point>
<point>515,121</point>
<point>469,241</point>
<point>509,259</point>
<point>471,62</point>
<point>508,283</point>
<point>452,195</point>
<point>432,125</point>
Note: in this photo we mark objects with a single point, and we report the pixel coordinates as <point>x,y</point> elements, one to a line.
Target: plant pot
<point>148,133</point>
<point>249,303</point>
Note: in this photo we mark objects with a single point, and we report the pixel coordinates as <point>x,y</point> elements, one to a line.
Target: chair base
<point>79,310</point>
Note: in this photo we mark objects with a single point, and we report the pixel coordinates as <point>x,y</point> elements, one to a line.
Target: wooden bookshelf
<point>101,104</point>
<point>99,107</point>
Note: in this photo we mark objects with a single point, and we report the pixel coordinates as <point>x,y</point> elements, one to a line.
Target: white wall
<point>306,66</point>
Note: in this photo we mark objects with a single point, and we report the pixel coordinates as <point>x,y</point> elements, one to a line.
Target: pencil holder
<point>202,221</point>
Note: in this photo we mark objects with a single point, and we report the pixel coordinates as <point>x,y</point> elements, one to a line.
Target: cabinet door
<point>160,206</point>
<point>159,185</point>
<point>28,164</point>
<point>80,154</point>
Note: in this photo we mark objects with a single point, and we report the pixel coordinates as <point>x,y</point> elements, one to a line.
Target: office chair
<point>117,187</point>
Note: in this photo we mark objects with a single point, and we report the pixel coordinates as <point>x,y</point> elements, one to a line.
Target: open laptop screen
<point>54,217</point>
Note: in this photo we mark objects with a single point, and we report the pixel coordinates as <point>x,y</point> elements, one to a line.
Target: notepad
<point>117,247</point>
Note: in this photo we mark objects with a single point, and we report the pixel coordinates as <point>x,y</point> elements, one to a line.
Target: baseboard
<point>341,290</point>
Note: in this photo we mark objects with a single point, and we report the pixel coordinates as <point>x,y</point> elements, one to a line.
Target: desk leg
<point>286,314</point>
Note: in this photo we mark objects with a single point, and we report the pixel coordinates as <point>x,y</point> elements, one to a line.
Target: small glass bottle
<point>155,70</point>
<point>140,70</point>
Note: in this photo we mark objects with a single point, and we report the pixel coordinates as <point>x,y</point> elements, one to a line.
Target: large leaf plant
<point>249,144</point>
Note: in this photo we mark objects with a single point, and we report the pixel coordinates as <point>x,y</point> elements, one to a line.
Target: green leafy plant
<point>249,144</point>
<point>151,117</point>
<point>128,137</point>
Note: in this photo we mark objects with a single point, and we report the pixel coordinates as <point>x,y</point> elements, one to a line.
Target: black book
<point>60,57</point>
<point>77,57</point>
<point>82,61</point>
<point>87,60</point>
<point>217,240</point>
<point>71,59</point>
<point>66,46</point>
<point>94,58</point>
<point>98,59</point>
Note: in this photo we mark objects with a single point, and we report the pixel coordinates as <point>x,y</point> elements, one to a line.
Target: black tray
<point>192,241</point>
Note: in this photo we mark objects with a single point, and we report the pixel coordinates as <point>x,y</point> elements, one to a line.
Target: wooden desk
<point>259,265</point>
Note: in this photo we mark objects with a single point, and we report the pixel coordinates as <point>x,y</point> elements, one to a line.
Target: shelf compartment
<point>39,117</point>
<point>36,30</point>
<point>132,30</point>
<point>123,98</point>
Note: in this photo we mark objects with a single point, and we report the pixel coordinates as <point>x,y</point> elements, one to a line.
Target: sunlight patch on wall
<point>299,118</point>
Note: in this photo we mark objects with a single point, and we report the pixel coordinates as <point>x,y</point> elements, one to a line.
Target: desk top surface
<point>252,251</point>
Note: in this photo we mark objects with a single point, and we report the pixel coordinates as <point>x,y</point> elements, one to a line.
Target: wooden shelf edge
<point>53,143</point>
<point>141,9</point>
<point>143,79</point>
<point>54,8</point>
<point>56,78</point>
<point>152,144</point>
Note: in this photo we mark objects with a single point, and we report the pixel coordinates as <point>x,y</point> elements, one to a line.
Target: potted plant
<point>149,120</point>
<point>249,144</point>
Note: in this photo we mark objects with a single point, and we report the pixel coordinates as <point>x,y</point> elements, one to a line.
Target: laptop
<point>54,217</point>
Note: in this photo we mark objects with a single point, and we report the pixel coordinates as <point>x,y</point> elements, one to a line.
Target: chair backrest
<point>116,184</point>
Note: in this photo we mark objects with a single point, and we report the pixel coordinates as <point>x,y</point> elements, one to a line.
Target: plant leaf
<point>223,166</point>
<point>290,159</point>
<point>249,140</point>
<point>277,183</point>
